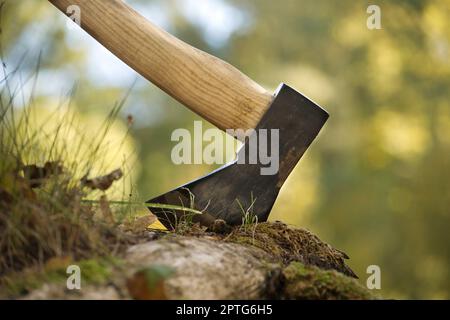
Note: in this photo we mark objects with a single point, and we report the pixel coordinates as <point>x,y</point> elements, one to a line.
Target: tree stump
<point>263,261</point>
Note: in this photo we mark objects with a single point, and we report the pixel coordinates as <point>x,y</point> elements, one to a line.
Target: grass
<point>53,204</point>
<point>42,213</point>
<point>180,219</point>
<point>249,218</point>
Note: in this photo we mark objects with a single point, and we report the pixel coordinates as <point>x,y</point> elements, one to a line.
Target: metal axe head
<point>238,190</point>
<point>219,93</point>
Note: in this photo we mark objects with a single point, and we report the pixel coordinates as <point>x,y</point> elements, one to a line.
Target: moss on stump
<point>311,283</point>
<point>261,261</point>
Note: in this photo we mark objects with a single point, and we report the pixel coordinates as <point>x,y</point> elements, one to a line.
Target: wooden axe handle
<point>207,85</point>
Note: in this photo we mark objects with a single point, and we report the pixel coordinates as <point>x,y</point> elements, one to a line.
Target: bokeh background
<point>376,183</point>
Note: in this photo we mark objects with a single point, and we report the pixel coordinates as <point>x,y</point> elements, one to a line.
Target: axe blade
<point>236,189</point>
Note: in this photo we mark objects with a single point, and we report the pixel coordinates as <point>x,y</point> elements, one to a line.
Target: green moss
<point>286,244</point>
<point>20,283</point>
<point>156,273</point>
<point>310,268</point>
<point>312,283</point>
<point>263,237</point>
<point>96,271</point>
<point>93,271</point>
<point>242,239</point>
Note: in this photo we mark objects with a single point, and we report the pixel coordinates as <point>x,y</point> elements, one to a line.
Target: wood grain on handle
<point>207,85</point>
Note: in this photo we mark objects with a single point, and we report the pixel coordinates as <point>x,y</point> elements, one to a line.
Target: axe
<point>219,93</point>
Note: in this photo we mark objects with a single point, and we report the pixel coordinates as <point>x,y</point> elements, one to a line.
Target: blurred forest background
<point>376,183</point>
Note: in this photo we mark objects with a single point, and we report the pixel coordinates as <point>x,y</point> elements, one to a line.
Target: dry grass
<point>51,205</point>
<point>39,224</point>
<point>42,211</point>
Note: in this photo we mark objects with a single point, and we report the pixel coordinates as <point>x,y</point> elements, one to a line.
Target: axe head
<point>240,191</point>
